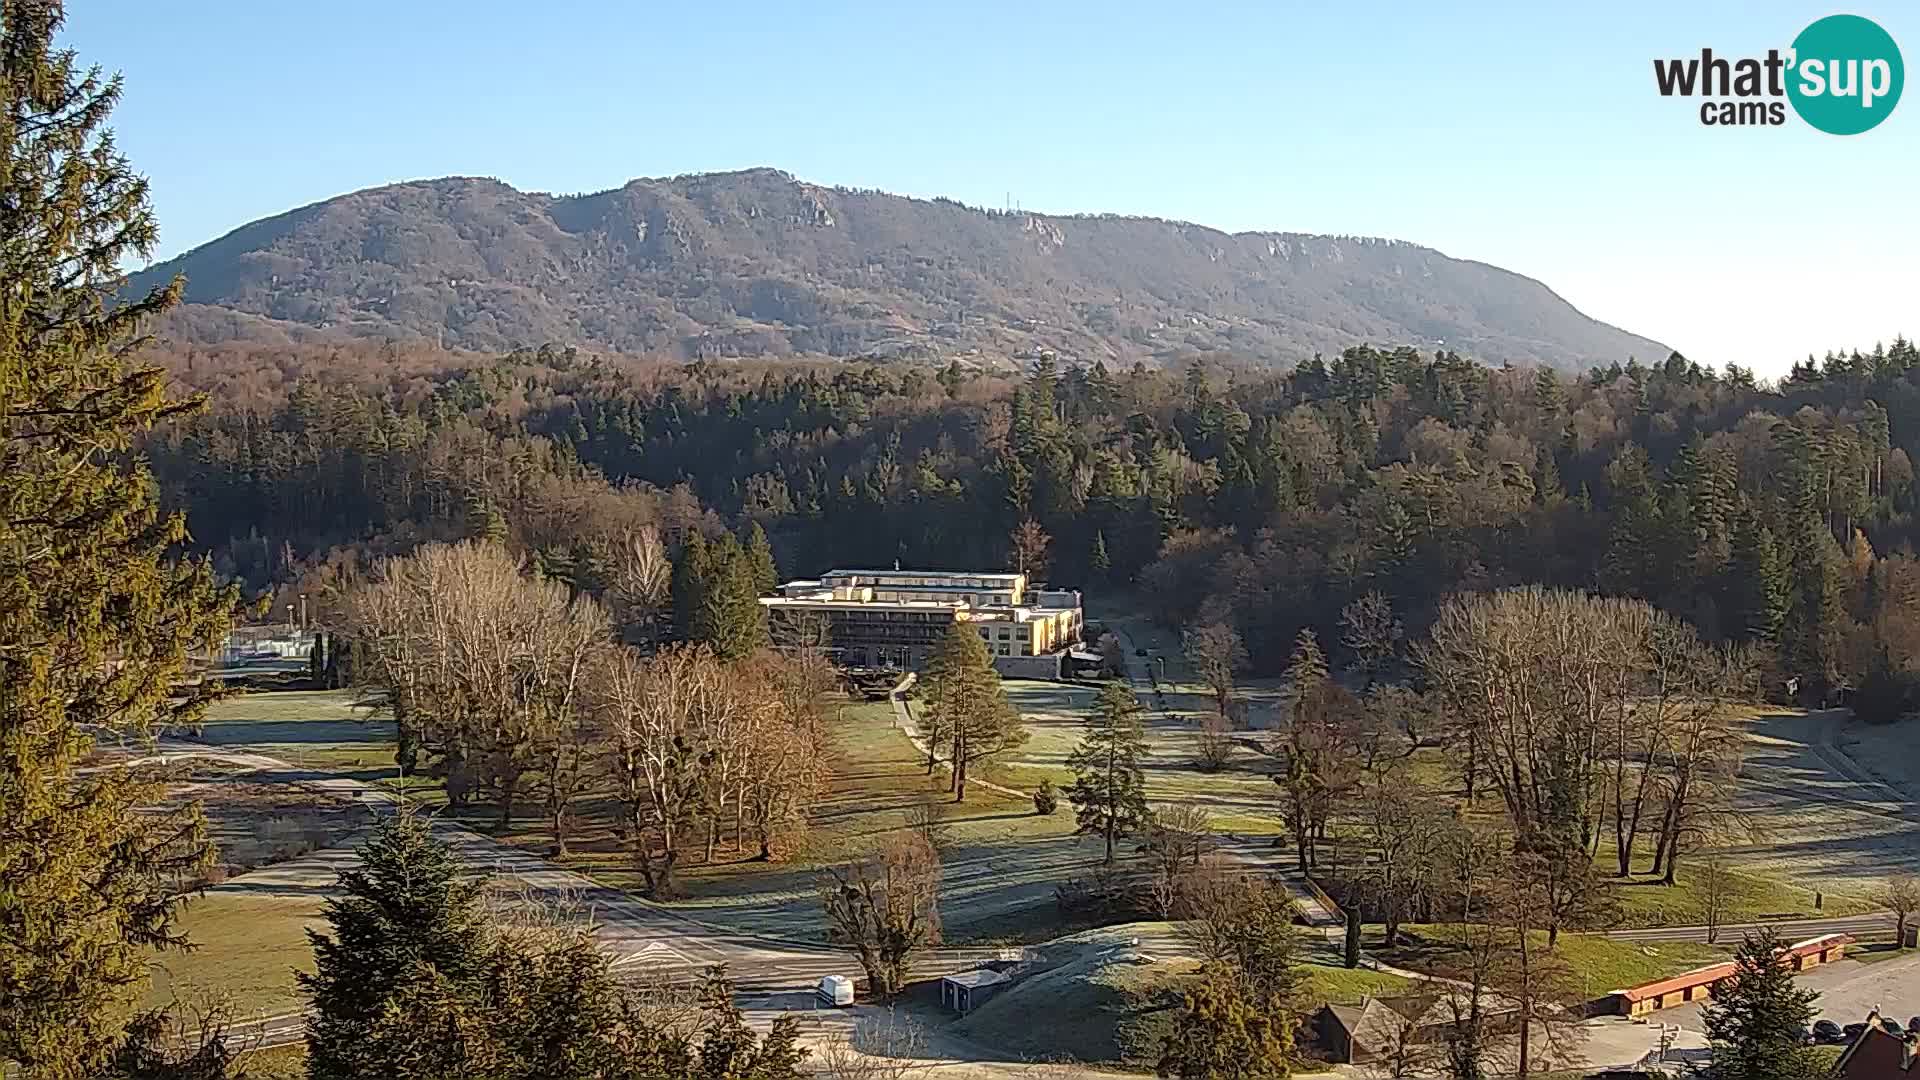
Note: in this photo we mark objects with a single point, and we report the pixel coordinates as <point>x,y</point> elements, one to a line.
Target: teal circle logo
<point>1846,74</point>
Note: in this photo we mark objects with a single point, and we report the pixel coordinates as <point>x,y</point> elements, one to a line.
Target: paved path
<point>636,934</point>
<point>903,719</point>
<point>1876,924</point>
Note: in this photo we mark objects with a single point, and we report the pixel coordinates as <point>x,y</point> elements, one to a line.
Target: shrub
<point>1045,799</point>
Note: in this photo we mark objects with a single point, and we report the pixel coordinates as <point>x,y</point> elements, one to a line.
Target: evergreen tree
<point>485,522</point>
<point>406,935</point>
<point>730,617</point>
<point>692,568</point>
<point>729,1049</point>
<point>1109,790</point>
<point>96,621</point>
<point>1222,1034</point>
<point>766,574</point>
<point>966,705</point>
<point>317,661</point>
<point>1757,1018</point>
<point>1099,565</point>
<point>1756,586</point>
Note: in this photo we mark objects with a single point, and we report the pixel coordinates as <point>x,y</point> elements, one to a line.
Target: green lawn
<point>279,1063</point>
<point>1326,984</point>
<point>1751,897</point>
<point>331,731</point>
<point>246,948</point>
<point>1599,964</point>
<point>1001,858</point>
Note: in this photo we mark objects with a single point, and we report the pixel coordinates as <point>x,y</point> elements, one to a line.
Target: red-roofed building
<point>1876,1055</point>
<point>1697,985</point>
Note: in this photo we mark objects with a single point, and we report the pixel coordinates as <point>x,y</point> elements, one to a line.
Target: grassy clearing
<point>1751,897</point>
<point>246,949</point>
<point>331,731</point>
<point>1001,859</point>
<point>1599,964</point>
<point>1325,984</point>
<point>279,1063</point>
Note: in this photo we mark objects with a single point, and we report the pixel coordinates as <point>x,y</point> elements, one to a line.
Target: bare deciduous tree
<point>1716,887</point>
<point>1027,549</point>
<point>886,906</point>
<point>488,665</point>
<point>1574,705</point>
<point>639,576</point>
<point>1369,629</point>
<point>1217,654</point>
<point>1899,894</point>
<point>649,708</point>
<point>1213,744</point>
<point>888,1046</point>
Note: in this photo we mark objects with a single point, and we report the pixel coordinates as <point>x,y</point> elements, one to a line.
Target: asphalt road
<point>1877,924</point>
<point>636,935</point>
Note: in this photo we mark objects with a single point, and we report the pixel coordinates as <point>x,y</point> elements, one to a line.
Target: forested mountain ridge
<point>756,263</point>
<point>1782,515</point>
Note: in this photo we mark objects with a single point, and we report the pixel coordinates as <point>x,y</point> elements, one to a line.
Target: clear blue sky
<point>1528,135</point>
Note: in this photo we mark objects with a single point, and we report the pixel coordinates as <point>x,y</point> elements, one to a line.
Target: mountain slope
<point>756,263</point>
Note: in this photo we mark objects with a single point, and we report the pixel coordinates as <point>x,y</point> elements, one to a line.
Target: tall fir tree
<point>408,930</point>
<point>96,618</point>
<point>1758,1017</point>
<point>729,616</point>
<point>967,708</point>
<point>1099,563</point>
<point>1757,589</point>
<point>766,572</point>
<point>692,568</point>
<point>1109,790</point>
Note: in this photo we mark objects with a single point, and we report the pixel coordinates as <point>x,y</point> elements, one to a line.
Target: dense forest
<point>1781,513</point>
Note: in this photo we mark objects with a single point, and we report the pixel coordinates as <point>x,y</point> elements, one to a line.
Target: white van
<point>835,990</point>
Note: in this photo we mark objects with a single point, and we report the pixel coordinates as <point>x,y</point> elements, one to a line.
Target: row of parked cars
<point>1826,1031</point>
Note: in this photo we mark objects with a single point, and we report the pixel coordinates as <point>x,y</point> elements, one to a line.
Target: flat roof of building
<point>1712,973</point>
<point>861,605</point>
<point>976,978</point>
<point>987,575</point>
<point>996,613</point>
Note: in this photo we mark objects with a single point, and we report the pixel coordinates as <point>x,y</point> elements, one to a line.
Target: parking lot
<point>1848,991</point>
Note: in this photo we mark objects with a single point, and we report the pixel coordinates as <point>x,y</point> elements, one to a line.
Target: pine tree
<point>1757,1017</point>
<point>729,617</point>
<point>1109,790</point>
<point>691,570</point>
<point>1098,563</point>
<point>967,705</point>
<point>729,1049</point>
<point>1756,582</point>
<point>406,934</point>
<point>96,621</point>
<point>484,520</point>
<point>766,573</point>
